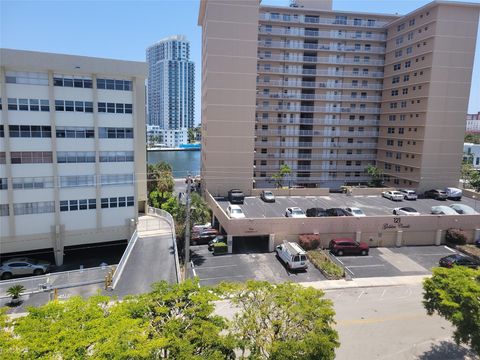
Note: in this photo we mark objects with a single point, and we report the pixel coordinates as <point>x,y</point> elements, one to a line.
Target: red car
<point>347,246</point>
<point>203,237</point>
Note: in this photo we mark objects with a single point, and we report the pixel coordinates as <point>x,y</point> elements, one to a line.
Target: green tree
<point>199,211</point>
<point>472,138</point>
<point>376,174</point>
<point>455,295</point>
<point>191,135</point>
<point>160,183</point>
<point>283,321</point>
<point>278,177</point>
<point>154,172</point>
<point>475,180</point>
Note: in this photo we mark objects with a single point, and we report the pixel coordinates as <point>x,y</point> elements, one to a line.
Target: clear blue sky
<point>123,29</point>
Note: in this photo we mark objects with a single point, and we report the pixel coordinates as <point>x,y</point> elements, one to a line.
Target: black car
<point>316,212</point>
<point>236,196</point>
<point>337,212</point>
<point>435,194</point>
<point>458,259</point>
<point>218,239</point>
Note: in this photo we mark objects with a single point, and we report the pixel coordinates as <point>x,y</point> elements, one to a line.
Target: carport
<point>251,244</point>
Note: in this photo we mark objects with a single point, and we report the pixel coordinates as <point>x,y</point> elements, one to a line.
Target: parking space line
<point>449,249</point>
<point>214,267</point>
<point>363,266</point>
<point>223,277</point>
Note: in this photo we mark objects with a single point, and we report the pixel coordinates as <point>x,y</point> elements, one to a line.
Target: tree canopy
<point>278,177</point>
<point>455,294</point>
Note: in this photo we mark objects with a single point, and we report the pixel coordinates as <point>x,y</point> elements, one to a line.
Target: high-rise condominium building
<point>330,92</point>
<point>72,150</point>
<point>171,84</point>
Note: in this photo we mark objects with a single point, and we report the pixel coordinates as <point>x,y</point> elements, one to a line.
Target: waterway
<point>182,162</point>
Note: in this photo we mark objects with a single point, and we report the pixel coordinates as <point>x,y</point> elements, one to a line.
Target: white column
<point>438,237</point>
<point>230,243</point>
<point>358,236</point>
<point>398,243</point>
<point>271,242</point>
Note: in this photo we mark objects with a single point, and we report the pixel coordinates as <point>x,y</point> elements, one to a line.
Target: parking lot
<point>381,262</point>
<point>372,205</point>
<point>412,260</point>
<point>240,267</point>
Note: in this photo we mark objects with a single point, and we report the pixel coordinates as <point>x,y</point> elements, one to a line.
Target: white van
<point>292,255</point>
<point>454,193</point>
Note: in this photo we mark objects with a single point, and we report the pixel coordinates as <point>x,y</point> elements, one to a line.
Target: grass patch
<point>471,250</point>
<point>321,260</point>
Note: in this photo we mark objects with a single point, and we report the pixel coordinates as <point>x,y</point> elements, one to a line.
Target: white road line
<point>350,271</point>
<point>359,296</point>
<point>222,277</point>
<point>372,196</point>
<point>383,293</point>
<point>214,267</point>
<point>363,266</point>
<point>441,254</point>
<point>449,249</point>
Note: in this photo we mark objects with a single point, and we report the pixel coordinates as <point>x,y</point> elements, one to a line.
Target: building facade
<point>471,154</point>
<point>72,150</point>
<point>158,137</point>
<point>473,123</point>
<point>329,93</point>
<point>171,84</point>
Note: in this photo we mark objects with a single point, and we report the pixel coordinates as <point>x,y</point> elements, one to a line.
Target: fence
<point>123,260</point>
<point>169,219</point>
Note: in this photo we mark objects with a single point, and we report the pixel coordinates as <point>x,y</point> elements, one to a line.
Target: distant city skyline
<point>124,29</point>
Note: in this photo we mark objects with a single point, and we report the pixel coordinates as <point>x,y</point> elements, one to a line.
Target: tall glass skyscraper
<point>171,84</point>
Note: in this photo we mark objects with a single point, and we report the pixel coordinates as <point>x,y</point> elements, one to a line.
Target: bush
<point>220,248</point>
<point>321,260</point>
<point>456,237</point>
<point>309,241</point>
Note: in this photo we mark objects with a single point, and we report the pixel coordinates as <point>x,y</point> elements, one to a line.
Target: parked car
<point>459,260</point>
<point>316,212</point>
<point>354,211</point>
<point>436,194</point>
<point>477,242</point>
<point>267,196</point>
<point>292,255</point>
<point>463,209</point>
<point>347,246</point>
<point>443,210</point>
<point>454,193</point>
<point>217,239</point>
<point>236,196</point>
<point>201,227</point>
<point>203,237</point>
<point>393,195</point>
<point>294,212</point>
<point>235,212</point>
<point>408,194</point>
<point>23,266</point>
<point>337,212</point>
<point>408,211</point>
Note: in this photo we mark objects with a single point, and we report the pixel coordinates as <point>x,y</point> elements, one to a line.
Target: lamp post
<point>475,198</point>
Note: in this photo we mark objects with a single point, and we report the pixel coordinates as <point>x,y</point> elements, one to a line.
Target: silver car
<point>23,266</point>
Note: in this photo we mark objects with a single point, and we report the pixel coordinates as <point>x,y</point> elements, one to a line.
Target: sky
<point>123,29</point>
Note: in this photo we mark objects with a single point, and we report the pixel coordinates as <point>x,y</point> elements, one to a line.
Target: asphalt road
<point>372,205</point>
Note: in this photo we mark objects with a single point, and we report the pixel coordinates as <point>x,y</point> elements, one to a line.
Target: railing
<point>326,97</point>
<point>313,167</point>
<point>318,85</point>
<point>315,72</point>
<point>296,108</point>
<point>325,133</point>
<point>321,34</point>
<point>296,144</point>
<point>326,21</point>
<point>318,59</point>
<point>123,261</point>
<point>316,121</point>
<point>320,47</point>
<point>324,157</point>
<point>169,219</point>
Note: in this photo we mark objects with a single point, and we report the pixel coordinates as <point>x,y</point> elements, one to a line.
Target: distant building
<point>166,138</point>
<point>471,154</point>
<point>171,84</point>
<point>473,122</point>
<point>72,150</point>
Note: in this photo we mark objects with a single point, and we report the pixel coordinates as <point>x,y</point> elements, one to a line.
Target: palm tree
<point>15,292</point>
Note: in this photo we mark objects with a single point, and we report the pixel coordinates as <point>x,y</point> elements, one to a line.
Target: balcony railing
<point>317,144</point>
<point>325,157</point>
<point>313,167</point>
<point>327,97</point>
<point>297,108</point>
<point>316,121</point>
<point>324,133</point>
<point>318,85</point>
<point>320,47</point>
<point>319,59</point>
<point>321,34</point>
<point>319,72</point>
<point>324,21</point>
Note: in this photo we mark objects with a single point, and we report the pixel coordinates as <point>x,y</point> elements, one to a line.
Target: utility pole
<point>187,228</point>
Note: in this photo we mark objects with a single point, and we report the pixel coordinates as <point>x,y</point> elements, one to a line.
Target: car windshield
<point>297,211</point>
<point>268,193</point>
<point>357,211</point>
<point>409,209</point>
<point>236,211</point>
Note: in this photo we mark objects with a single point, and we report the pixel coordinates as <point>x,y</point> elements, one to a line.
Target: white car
<point>295,212</point>
<point>393,195</point>
<point>235,212</point>
<point>463,209</point>
<point>409,194</point>
<point>292,255</point>
<point>355,211</point>
<point>443,210</point>
<point>408,211</point>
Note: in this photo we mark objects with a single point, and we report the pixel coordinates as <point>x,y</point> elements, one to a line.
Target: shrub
<point>321,260</point>
<point>220,248</point>
<point>309,241</point>
<point>456,237</point>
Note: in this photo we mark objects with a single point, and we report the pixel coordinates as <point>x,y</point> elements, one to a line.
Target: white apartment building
<point>72,150</point>
<point>471,153</point>
<point>473,122</point>
<point>156,136</point>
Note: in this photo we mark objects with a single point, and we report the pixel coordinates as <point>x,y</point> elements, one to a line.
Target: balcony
<point>332,73</point>
<point>302,19</point>
<point>324,133</point>
<point>313,167</point>
<point>308,109</point>
<point>318,144</point>
<point>325,157</point>
<point>326,97</point>
<point>318,59</point>
<point>318,85</point>
<point>321,34</point>
<point>316,121</point>
<point>320,47</point>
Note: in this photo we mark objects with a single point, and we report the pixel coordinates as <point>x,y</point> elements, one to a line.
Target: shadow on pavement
<point>447,350</point>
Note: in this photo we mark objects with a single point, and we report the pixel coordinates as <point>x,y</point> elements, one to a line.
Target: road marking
<point>362,266</point>
<point>222,277</point>
<point>383,292</point>
<point>449,249</point>
<point>359,296</point>
<point>372,196</point>
<point>214,267</point>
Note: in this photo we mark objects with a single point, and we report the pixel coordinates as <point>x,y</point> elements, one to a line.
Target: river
<point>182,162</point>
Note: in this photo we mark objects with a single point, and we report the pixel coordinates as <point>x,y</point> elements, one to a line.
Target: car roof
<point>295,208</point>
<point>235,207</point>
<point>354,208</point>
<point>407,190</point>
<point>407,208</point>
<point>25,259</point>
<point>343,239</point>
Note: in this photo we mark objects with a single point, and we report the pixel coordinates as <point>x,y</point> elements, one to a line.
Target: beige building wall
<point>428,71</point>
<point>229,60</point>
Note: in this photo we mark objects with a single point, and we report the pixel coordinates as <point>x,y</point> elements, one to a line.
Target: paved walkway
<point>152,258</point>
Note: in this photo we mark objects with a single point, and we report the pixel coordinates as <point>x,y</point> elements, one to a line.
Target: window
<point>405,91</point>
<point>110,84</point>
<point>401,27</point>
<point>35,157</point>
<point>399,40</point>
<point>113,108</point>
<point>28,131</point>
<point>394,93</point>
<point>393,105</point>
<point>409,50</point>
<point>398,53</point>
<point>403,104</point>
<point>77,181</point>
<point>401,130</point>
<point>407,64</point>
<point>392,117</point>
<point>75,132</point>
<point>389,142</point>
<point>411,22</point>
<point>34,208</point>
<point>410,35</point>
<point>72,157</point>
<point>116,179</point>
<point>26,78</point>
<point>116,156</point>
<point>72,81</point>
<point>395,79</point>
<point>115,133</point>
<point>406,78</point>
<point>397,67</point>
<point>121,201</point>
